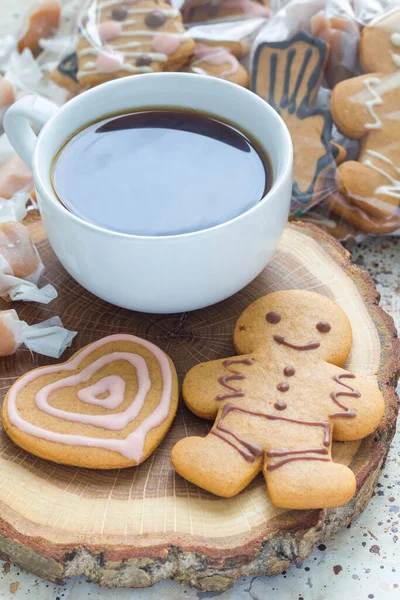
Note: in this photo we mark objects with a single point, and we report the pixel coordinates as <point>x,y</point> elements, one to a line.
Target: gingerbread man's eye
<point>323,326</point>
<point>273,317</point>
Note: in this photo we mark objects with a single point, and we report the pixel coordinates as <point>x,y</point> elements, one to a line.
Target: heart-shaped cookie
<point>107,407</point>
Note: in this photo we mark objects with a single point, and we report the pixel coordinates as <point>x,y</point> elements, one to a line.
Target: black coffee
<point>160,172</point>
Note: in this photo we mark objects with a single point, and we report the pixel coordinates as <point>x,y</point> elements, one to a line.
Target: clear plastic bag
<point>332,70</point>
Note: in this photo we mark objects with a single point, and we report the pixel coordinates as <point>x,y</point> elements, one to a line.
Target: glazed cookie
<point>363,109</point>
<point>288,75</point>
<point>217,61</point>
<point>380,44</point>
<point>279,404</point>
<point>107,407</point>
<point>130,37</point>
<point>195,11</point>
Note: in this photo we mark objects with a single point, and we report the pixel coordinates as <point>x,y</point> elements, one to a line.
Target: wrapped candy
<point>15,185</point>
<point>48,338</point>
<point>42,23</point>
<point>21,267</point>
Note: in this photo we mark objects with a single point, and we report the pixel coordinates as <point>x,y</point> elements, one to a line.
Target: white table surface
<point>362,562</point>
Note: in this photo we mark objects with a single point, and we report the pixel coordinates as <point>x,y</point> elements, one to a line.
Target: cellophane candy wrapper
<point>331,68</point>
<point>49,338</point>
<point>21,267</point>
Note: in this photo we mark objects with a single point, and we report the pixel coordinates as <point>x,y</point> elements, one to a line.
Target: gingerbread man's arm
<point>356,406</point>
<point>354,104</point>
<point>207,385</point>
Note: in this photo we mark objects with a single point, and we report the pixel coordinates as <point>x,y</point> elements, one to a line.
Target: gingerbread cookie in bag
<point>126,37</point>
<point>365,108</point>
<point>217,61</point>
<point>197,11</point>
<point>288,76</point>
<point>380,44</point>
<point>278,405</point>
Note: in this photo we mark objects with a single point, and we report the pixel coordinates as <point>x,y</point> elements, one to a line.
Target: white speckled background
<point>362,562</point>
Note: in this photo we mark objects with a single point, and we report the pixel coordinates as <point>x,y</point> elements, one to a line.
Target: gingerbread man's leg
<point>214,465</point>
<point>299,471</point>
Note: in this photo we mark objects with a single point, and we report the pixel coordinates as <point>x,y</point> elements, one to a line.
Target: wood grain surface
<point>136,526</point>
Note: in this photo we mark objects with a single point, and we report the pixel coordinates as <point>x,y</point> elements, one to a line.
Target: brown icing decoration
<point>250,451</point>
<point>281,405</point>
<point>119,13</point>
<point>280,463</point>
<point>353,393</point>
<point>273,317</point>
<point>323,326</point>
<point>236,376</point>
<point>143,60</point>
<point>309,346</point>
<point>289,371</point>
<point>155,19</point>
<point>283,387</point>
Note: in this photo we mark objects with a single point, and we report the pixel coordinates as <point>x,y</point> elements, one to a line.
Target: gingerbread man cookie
<point>107,407</point>
<point>363,108</point>
<point>288,75</point>
<point>126,37</point>
<point>217,61</point>
<point>279,404</point>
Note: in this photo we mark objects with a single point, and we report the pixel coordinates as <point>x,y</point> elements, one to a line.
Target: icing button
<point>282,387</point>
<point>289,371</point>
<point>155,19</point>
<point>119,13</point>
<point>281,405</point>
<point>143,60</point>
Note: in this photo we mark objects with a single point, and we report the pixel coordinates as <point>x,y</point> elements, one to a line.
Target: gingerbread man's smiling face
<point>295,322</point>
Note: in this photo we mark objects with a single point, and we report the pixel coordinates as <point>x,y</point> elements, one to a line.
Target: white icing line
<point>375,101</point>
<point>153,55</point>
<point>386,190</point>
<point>395,39</point>
<point>396,59</point>
<point>90,68</point>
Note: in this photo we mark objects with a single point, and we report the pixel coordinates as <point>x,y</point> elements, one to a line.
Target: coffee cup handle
<point>17,123</point>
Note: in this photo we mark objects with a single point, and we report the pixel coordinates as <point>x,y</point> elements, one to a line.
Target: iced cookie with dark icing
<point>107,407</point>
<point>288,76</point>
<point>278,405</point>
<point>364,108</point>
<point>217,61</point>
<point>127,37</point>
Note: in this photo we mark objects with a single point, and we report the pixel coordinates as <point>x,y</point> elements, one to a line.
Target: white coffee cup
<point>158,274</point>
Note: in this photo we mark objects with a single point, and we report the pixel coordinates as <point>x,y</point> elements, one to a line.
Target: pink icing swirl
<point>215,55</point>
<point>109,30</point>
<point>132,446</point>
<point>165,44</point>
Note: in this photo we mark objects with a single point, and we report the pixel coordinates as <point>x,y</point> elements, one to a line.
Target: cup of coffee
<point>161,192</point>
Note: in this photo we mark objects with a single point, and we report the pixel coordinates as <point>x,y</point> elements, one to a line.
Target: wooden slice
<point>136,526</point>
